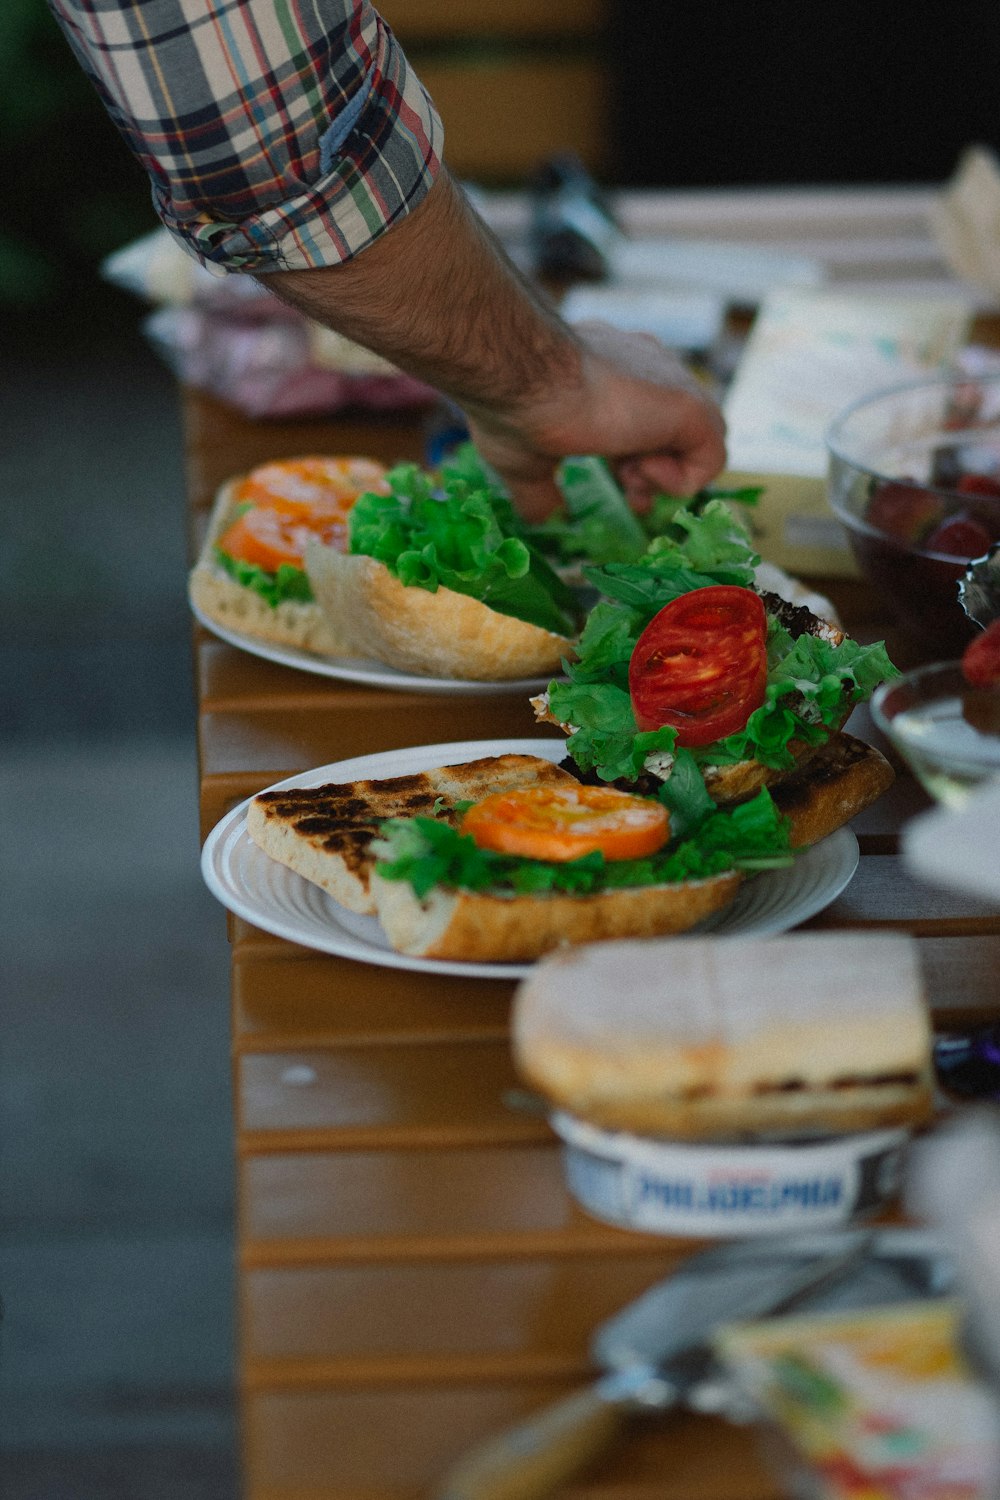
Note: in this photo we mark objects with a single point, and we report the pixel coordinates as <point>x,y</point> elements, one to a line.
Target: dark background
<point>724,93</point>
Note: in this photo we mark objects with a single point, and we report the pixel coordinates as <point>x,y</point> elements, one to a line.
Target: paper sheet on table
<point>966,219</point>
<point>811,353</point>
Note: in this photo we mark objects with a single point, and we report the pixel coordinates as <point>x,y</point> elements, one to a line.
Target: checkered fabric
<point>278,134</point>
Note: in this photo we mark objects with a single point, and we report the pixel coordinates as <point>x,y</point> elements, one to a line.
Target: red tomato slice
<point>981,658</point>
<point>562,823</point>
<point>293,500</point>
<point>701,664</point>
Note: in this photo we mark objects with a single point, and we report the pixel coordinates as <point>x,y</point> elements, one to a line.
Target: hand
<point>630,400</point>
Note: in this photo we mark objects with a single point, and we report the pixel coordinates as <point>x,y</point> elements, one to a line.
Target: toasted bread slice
<point>217,596</point>
<point>493,928</point>
<point>840,780</point>
<point>324,833</point>
<point>807,1032</point>
<point>444,634</point>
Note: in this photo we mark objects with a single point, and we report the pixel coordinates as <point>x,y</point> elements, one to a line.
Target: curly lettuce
<point>288,583</point>
<point>811,682</point>
<point>597,525</point>
<point>460,532</point>
<point>427,853</point>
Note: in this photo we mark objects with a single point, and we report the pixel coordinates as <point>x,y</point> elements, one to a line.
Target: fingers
<point>633,403</point>
<point>692,461</point>
<point>529,476</point>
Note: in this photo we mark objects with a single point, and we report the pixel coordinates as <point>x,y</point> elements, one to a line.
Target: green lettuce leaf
<point>597,525</point>
<point>606,527</point>
<point>604,737</point>
<point>287,583</point>
<point>685,795</point>
<point>427,853</point>
<point>810,685</point>
<point>811,682</point>
<point>463,535</point>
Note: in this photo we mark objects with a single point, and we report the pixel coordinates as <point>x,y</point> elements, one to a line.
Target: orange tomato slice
<point>316,482</point>
<point>292,500</point>
<point>562,823</point>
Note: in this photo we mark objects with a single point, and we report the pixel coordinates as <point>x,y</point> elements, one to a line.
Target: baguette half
<point>838,782</point>
<point>492,928</point>
<point>218,597</point>
<point>444,634</point>
<point>701,1040</point>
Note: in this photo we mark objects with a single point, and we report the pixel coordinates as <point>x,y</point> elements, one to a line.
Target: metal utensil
<point>979,588</point>
<point>658,1354</point>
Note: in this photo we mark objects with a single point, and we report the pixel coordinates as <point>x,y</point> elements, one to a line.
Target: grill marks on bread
<point>840,780</point>
<point>325,832</point>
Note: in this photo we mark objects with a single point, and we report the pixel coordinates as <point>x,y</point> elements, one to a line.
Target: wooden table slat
<point>501,1309</point>
<point>372,1443</point>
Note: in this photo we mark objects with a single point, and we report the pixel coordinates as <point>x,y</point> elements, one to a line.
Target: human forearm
<point>439,297</point>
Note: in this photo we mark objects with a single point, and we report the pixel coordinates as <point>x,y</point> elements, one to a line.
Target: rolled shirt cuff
<point>376,161</point>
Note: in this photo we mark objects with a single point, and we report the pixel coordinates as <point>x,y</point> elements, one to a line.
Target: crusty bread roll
<point>703,1038</point>
<point>217,596</point>
<point>480,926</point>
<point>444,634</point>
<point>727,785</point>
<point>838,781</point>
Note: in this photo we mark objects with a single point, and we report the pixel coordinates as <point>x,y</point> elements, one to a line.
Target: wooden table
<point>413,1274</point>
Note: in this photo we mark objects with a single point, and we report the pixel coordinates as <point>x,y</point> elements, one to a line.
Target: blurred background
<point>115,1169</point>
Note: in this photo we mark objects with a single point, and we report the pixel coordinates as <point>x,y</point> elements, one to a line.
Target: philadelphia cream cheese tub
<point>716,1190</point>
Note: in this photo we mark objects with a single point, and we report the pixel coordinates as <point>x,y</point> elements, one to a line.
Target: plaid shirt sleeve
<point>278,134</point>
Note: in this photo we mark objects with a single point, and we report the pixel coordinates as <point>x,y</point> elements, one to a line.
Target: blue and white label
<point>704,1190</point>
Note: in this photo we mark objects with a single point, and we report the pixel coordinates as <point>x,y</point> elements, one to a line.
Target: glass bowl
<point>947,731</point>
<point>914,478</point>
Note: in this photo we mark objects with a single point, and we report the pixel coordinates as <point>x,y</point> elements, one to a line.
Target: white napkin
<point>958,848</point>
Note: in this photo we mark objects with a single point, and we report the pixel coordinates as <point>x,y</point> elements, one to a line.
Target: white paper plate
<point>274,898</point>
<point>370,673</point>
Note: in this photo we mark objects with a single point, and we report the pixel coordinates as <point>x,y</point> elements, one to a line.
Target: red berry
<point>960,536</point>
<point>979,484</point>
<point>981,658</point>
<point>904,511</point>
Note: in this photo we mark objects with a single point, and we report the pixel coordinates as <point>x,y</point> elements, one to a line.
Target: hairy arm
<point>438,296</point>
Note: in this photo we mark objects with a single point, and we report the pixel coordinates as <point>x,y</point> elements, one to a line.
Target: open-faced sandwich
<point>508,857</point>
<point>442,578</point>
<point>684,667</point>
<point>250,576</point>
<point>433,574</point>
